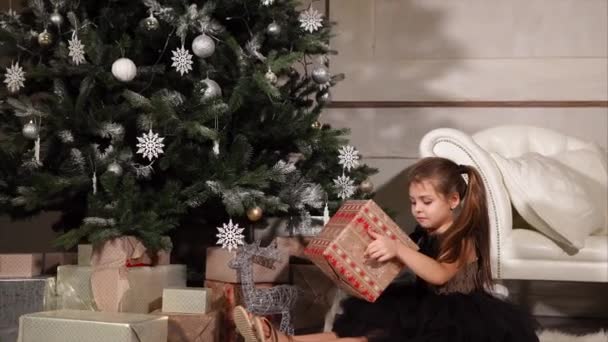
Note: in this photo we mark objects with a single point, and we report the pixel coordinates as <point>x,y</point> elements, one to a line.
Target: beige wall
<point>465,50</point>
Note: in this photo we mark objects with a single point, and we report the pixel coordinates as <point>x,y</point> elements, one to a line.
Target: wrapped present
<point>19,296</point>
<point>110,260</point>
<point>144,293</point>
<point>189,300</point>
<point>21,265</point>
<point>315,299</point>
<point>84,254</point>
<point>217,268</point>
<point>92,326</point>
<point>224,298</point>
<point>193,327</point>
<point>339,249</point>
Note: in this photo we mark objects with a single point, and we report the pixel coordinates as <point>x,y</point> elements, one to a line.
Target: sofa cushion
<point>563,203</point>
<point>530,245</point>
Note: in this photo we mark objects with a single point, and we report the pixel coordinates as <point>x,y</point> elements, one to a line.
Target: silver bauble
<point>212,90</point>
<point>273,29</point>
<point>270,77</point>
<point>30,130</point>
<point>151,23</point>
<point>115,168</point>
<point>203,46</point>
<point>366,186</point>
<point>124,69</point>
<point>320,75</point>
<point>45,38</point>
<point>325,98</point>
<point>56,18</point>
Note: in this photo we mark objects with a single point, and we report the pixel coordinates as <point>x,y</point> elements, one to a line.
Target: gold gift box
<point>91,326</point>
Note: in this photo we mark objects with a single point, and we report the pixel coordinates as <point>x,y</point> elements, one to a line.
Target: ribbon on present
<point>109,279</point>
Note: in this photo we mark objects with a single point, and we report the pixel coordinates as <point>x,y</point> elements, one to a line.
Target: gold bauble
<point>255,213</point>
<point>45,38</point>
<point>316,125</point>
<point>366,186</point>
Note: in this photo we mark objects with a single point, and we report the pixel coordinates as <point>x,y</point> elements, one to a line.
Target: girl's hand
<point>382,248</point>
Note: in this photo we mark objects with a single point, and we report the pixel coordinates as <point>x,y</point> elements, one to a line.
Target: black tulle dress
<point>417,311</point>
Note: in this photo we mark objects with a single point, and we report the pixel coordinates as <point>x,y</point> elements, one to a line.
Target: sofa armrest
<point>462,149</point>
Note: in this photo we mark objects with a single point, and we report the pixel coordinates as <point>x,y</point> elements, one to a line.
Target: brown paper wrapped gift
<point>338,250</point>
<point>110,260</point>
<point>217,268</point>
<point>224,298</point>
<point>193,327</point>
<point>21,265</point>
<point>317,293</point>
<point>91,326</point>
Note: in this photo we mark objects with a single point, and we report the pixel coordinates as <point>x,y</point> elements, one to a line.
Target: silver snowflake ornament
<point>267,2</point>
<point>182,60</point>
<point>76,50</point>
<point>344,186</point>
<point>230,236</point>
<point>150,145</point>
<point>14,77</point>
<point>349,157</point>
<point>311,20</point>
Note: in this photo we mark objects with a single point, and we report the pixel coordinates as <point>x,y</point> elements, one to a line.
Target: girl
<point>448,301</point>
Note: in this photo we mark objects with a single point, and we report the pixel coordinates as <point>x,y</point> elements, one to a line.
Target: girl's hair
<point>472,224</point>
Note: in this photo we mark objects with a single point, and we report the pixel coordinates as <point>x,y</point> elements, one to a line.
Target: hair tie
<point>463,168</point>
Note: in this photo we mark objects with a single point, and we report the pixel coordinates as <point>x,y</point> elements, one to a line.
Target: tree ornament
<point>348,158</point>
<point>124,69</point>
<point>255,213</point>
<point>320,75</point>
<point>182,60</point>
<point>203,46</point>
<point>45,38</point>
<point>14,78</point>
<point>344,186</point>
<point>230,236</point>
<point>30,130</point>
<point>76,50</point>
<point>267,2</point>
<point>311,20</point>
<point>273,29</point>
<point>150,145</point>
<point>56,18</point>
<point>270,77</point>
<point>212,89</point>
<point>366,186</point>
<point>324,98</point>
<point>115,168</point>
<point>151,23</point>
<point>317,125</point>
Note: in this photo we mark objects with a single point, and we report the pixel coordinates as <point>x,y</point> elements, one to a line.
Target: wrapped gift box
<point>19,296</point>
<point>193,327</point>
<point>224,298</point>
<point>217,268</point>
<point>91,326</point>
<point>84,254</point>
<point>162,257</point>
<point>188,300</point>
<point>316,297</point>
<point>21,265</point>
<point>339,249</point>
<point>144,293</point>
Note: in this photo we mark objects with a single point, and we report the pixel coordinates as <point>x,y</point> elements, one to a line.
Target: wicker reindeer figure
<point>280,299</point>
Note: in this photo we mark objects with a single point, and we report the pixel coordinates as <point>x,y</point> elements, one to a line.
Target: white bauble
<point>203,46</point>
<point>124,69</point>
<point>212,90</point>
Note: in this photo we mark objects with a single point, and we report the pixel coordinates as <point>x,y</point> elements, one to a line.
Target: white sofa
<point>519,253</point>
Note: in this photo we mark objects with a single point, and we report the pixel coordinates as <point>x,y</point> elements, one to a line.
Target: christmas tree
<point>133,117</point>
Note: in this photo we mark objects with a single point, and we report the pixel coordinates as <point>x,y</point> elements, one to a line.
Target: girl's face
<point>432,211</point>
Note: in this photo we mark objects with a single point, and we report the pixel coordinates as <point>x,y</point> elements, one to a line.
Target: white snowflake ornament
<point>349,157</point>
<point>267,2</point>
<point>14,77</point>
<point>311,20</point>
<point>182,60</point>
<point>344,186</point>
<point>76,50</point>
<point>150,145</point>
<point>230,236</point>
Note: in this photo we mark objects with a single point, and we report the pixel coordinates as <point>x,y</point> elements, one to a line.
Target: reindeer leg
<point>286,324</point>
